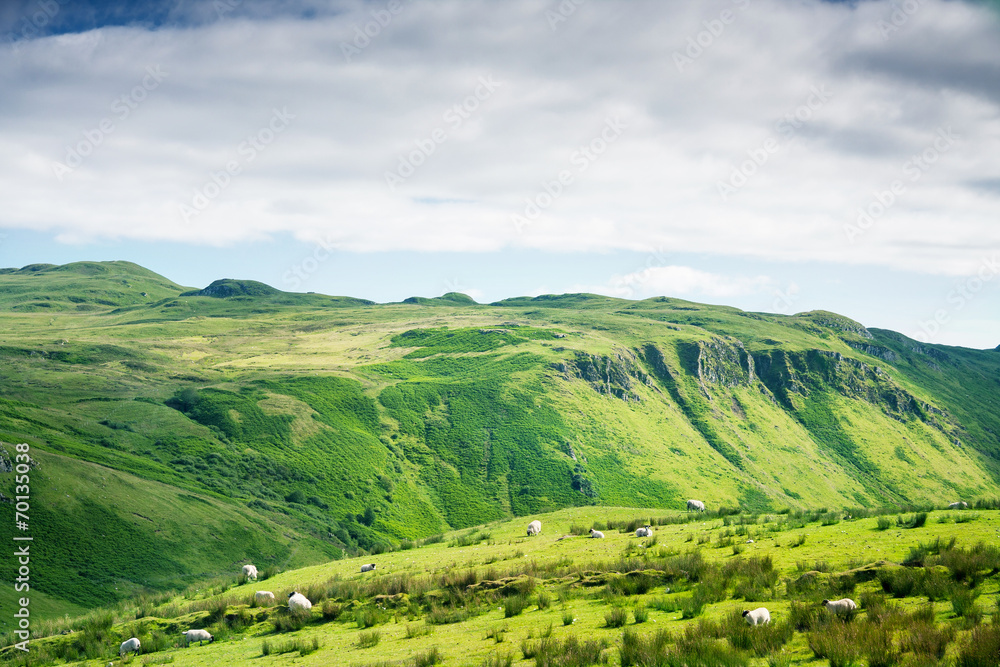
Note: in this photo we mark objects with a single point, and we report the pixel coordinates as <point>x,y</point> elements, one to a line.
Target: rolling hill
<point>211,427</point>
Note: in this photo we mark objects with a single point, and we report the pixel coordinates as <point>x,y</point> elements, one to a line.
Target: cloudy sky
<point>777,156</point>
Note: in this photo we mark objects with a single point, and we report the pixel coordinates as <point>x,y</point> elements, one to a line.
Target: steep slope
<point>362,426</point>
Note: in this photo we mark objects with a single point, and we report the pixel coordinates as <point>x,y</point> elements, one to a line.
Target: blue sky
<point>774,156</point>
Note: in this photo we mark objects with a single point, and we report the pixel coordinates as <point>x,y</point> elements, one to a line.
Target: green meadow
<point>489,595</point>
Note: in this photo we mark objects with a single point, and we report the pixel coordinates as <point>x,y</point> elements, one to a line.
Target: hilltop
<point>341,426</point>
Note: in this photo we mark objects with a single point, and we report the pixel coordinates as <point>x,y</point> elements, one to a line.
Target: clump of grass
<point>302,646</point>
<point>883,523</point>
<point>414,631</point>
<point>443,616</point>
<point>331,610</point>
<point>368,617</point>
<point>916,521</point>
<point>499,660</point>
<point>514,605</point>
<point>369,639</point>
<point>925,639</point>
<point>544,600</point>
<point>640,613</point>
<point>615,617</point>
<point>290,621</point>
<point>981,648</point>
<point>963,602</point>
<point>431,656</point>
<point>837,642</point>
<point>567,617</point>
<point>798,541</point>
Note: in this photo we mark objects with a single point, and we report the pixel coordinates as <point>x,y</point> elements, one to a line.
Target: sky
<point>777,156</point>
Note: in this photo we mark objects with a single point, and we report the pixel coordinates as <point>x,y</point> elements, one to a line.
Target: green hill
<point>344,426</point>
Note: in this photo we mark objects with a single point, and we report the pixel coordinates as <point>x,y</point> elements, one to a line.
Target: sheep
<point>200,636</point>
<point>958,505</point>
<point>368,567</point>
<point>696,505</point>
<point>263,596</point>
<point>644,532</point>
<point>129,646</point>
<point>843,605</point>
<point>759,616</point>
<point>298,602</point>
<point>534,528</point>
<point>596,534</point>
<point>250,572</point>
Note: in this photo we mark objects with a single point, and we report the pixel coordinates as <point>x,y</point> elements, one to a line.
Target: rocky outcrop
<point>614,375</point>
<point>883,353</point>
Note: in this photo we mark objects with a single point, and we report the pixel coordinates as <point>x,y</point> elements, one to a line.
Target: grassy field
<point>298,428</point>
<point>479,595</point>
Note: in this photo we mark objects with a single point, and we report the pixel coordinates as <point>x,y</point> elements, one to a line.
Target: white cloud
<point>684,281</point>
<point>656,185</point>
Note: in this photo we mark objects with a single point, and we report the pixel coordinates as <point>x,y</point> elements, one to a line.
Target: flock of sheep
<point>298,602</point>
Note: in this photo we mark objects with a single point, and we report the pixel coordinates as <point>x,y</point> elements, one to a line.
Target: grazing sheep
<point>596,533</point>
<point>368,567</point>
<point>263,596</point>
<point>839,606</point>
<point>644,532</point>
<point>250,572</point>
<point>298,602</point>
<point>200,636</point>
<point>534,528</point>
<point>696,505</point>
<point>759,616</point>
<point>129,646</point>
<point>959,505</point>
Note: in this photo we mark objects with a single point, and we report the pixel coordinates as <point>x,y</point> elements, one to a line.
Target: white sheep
<point>696,505</point>
<point>958,505</point>
<point>534,528</point>
<point>596,533</point>
<point>759,616</point>
<point>843,605</point>
<point>368,567</point>
<point>298,602</point>
<point>644,532</point>
<point>200,636</point>
<point>250,572</point>
<point>263,596</point>
<point>129,646</point>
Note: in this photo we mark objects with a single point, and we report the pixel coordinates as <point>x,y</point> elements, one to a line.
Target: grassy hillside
<point>343,426</point>
<point>926,585</point>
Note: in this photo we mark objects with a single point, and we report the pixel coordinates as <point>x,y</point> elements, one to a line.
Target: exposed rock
<point>613,376</point>
<point>883,353</point>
